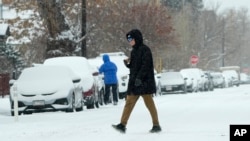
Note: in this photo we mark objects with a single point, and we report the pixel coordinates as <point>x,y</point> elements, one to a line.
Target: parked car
<point>157,78</point>
<point>122,70</point>
<point>218,80</point>
<point>244,78</point>
<point>46,88</point>
<point>100,87</point>
<point>171,82</point>
<point>83,69</point>
<point>198,77</point>
<point>232,77</point>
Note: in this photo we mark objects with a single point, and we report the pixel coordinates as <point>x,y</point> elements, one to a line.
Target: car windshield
<point>73,63</point>
<point>42,73</point>
<point>171,75</point>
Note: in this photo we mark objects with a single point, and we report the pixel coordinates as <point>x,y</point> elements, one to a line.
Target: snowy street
<point>203,116</point>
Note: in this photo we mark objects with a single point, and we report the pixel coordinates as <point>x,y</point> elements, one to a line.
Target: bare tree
<point>61,40</point>
<point>110,20</point>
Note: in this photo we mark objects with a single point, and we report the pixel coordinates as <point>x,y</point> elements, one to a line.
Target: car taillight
<point>89,92</point>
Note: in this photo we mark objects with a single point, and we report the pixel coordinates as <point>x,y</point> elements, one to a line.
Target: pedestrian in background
<point>109,69</point>
<point>141,81</point>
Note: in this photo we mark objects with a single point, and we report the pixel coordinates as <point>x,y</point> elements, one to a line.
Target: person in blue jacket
<point>109,69</point>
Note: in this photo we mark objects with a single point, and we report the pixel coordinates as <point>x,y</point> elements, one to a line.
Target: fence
<point>4,84</point>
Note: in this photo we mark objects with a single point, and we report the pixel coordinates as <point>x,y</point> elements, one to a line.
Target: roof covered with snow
<point>3,29</point>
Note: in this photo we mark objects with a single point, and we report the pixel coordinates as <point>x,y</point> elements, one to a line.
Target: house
<point>4,32</point>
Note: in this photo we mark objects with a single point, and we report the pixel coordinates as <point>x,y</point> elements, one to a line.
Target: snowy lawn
<point>203,116</point>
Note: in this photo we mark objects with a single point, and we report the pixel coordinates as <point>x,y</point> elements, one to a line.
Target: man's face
<point>132,42</point>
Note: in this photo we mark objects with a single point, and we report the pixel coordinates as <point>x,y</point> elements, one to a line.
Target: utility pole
<point>223,43</point>
<point>1,10</point>
<point>83,47</point>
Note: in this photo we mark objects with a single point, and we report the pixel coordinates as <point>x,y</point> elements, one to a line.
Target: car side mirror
<point>95,74</point>
<point>11,82</point>
<point>76,80</point>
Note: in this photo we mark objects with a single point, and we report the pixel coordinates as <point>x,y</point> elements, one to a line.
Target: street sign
<point>194,59</point>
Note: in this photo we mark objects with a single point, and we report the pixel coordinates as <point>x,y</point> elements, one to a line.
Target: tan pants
<point>130,103</point>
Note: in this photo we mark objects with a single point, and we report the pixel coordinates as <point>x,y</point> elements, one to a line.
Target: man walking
<point>141,81</point>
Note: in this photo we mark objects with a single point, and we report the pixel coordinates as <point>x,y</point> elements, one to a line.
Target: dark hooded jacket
<point>141,66</point>
<point>109,69</point>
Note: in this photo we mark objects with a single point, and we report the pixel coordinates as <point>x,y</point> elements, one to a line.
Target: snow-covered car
<point>157,78</point>
<point>198,77</point>
<point>171,82</point>
<point>218,80</point>
<point>83,69</point>
<point>122,70</point>
<point>46,88</point>
<point>232,77</point>
<point>100,87</point>
<point>191,83</point>
<point>244,78</point>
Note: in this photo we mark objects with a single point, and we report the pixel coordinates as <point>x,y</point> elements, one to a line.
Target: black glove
<point>125,62</point>
<point>138,82</point>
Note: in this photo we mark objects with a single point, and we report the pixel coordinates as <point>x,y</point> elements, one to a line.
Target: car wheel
<point>97,104</point>
<point>101,97</point>
<point>13,114</point>
<point>81,105</point>
<point>80,108</point>
<point>184,89</point>
<point>91,106</point>
<point>159,89</point>
<point>71,109</point>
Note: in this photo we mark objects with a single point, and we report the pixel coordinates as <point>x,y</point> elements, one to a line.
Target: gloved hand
<point>126,61</point>
<point>138,82</point>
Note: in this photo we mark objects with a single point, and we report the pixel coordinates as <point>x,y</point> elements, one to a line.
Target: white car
<point>244,78</point>
<point>100,87</point>
<point>231,77</point>
<point>84,70</point>
<point>46,88</point>
<point>171,82</point>
<point>218,80</point>
<point>122,70</point>
<point>197,76</point>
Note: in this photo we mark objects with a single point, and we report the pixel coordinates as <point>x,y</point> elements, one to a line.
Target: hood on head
<point>105,58</point>
<point>135,34</point>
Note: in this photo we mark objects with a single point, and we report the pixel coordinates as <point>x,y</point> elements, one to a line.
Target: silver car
<point>171,82</point>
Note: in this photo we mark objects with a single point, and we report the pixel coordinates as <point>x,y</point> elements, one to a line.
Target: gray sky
<point>225,4</point>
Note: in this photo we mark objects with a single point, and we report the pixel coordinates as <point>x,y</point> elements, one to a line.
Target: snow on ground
<point>203,116</point>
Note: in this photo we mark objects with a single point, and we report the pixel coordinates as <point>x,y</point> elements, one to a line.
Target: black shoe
<point>156,129</point>
<point>119,127</point>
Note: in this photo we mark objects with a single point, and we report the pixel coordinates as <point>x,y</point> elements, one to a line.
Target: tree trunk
<point>60,41</point>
